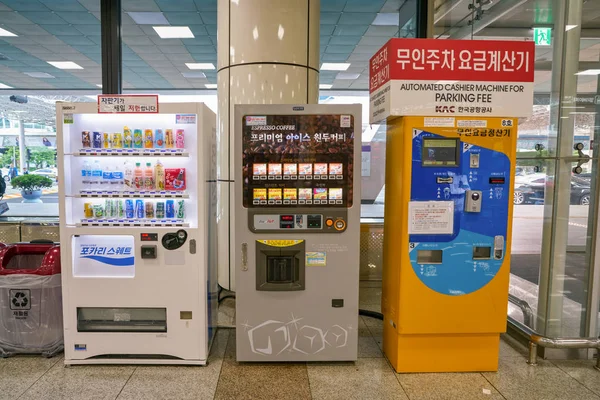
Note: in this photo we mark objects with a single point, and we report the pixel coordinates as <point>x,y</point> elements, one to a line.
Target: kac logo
<point>445,109</point>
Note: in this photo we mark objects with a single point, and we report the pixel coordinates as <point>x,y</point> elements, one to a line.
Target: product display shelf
<point>130,153</point>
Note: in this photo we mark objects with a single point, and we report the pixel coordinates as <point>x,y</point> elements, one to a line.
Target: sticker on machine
<point>431,217</point>
<point>316,259</point>
<point>433,122</point>
<point>471,123</point>
<point>345,121</point>
<point>254,120</point>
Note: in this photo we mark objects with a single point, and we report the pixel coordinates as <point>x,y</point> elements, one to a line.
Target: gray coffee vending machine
<point>297,227</point>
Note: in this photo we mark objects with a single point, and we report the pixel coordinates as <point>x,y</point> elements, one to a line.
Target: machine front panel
<point>297,233</point>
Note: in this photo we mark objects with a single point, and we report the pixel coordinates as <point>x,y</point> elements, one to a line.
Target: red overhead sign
<point>442,61</point>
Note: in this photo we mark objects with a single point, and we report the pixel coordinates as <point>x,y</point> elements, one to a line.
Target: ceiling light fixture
<point>41,75</point>
<point>3,86</point>
<point>174,32</point>
<point>334,66</point>
<point>200,65</point>
<point>386,19</point>
<point>347,75</point>
<point>65,64</point>
<point>589,72</point>
<point>325,86</point>
<point>4,32</point>
<point>210,85</point>
<point>569,27</point>
<point>100,86</point>
<point>149,18</point>
<point>193,74</point>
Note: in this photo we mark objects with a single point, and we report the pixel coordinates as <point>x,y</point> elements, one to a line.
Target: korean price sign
<point>129,104</point>
<point>425,77</point>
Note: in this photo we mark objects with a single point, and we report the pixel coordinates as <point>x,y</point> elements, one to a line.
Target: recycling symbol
<point>20,299</point>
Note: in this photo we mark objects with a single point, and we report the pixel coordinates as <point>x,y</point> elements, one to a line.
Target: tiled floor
<point>369,378</point>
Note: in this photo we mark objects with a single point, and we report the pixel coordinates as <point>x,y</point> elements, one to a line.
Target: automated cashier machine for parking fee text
<point>450,165</point>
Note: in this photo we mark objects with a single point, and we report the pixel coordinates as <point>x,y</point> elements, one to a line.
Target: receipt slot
<point>296,232</point>
<point>448,213</point>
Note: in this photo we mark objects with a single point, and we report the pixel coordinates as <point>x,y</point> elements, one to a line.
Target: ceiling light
<point>3,86</point>
<point>42,75</point>
<point>347,75</point>
<point>325,86</point>
<point>334,66</point>
<point>569,27</point>
<point>148,18</point>
<point>100,86</point>
<point>388,19</point>
<point>65,64</point>
<point>200,65</point>
<point>589,72</point>
<point>193,74</point>
<point>210,85</point>
<point>174,32</point>
<point>4,32</point>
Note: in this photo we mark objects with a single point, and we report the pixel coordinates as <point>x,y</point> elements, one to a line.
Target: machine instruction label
<point>316,259</point>
<point>129,104</point>
<point>431,217</point>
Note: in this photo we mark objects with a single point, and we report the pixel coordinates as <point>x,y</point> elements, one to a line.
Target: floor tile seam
<point>126,382</point>
<point>310,392</point>
<point>492,385</point>
<point>397,376</point>
<point>229,336</point>
<point>575,379</point>
<point>40,377</point>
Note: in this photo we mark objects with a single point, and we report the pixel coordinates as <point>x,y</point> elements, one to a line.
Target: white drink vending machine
<point>137,217</point>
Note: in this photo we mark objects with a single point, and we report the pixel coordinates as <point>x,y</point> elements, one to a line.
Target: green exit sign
<point>542,36</point>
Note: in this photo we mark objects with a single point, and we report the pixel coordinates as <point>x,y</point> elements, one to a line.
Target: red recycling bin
<point>30,299</point>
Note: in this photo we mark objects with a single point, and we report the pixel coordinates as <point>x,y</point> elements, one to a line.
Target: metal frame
<point>110,26</point>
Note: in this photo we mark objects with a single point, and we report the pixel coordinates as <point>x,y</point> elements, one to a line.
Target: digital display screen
<point>290,194</point>
<point>287,217</point>
<point>290,169</point>
<point>305,169</point>
<point>259,169</point>
<point>259,194</point>
<point>305,194</point>
<point>335,193</point>
<point>274,194</point>
<point>149,237</point>
<point>336,168</point>
<point>274,169</point>
<point>320,194</point>
<point>321,169</point>
<point>440,152</point>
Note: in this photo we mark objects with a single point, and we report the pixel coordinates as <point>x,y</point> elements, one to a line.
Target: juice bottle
<point>106,140</point>
<point>159,178</point>
<point>138,140</point>
<point>117,140</point>
<point>148,139</point>
<point>138,177</point>
<point>127,138</point>
<point>159,139</point>
<point>169,142</point>
<point>149,177</point>
<point>128,179</point>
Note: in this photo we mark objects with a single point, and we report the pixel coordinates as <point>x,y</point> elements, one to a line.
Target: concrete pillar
<point>268,53</point>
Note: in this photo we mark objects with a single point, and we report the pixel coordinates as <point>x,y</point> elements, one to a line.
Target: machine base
<point>443,352</point>
<point>133,361</point>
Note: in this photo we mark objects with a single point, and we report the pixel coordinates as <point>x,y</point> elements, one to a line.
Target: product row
<point>136,139</point>
<point>287,171</point>
<point>134,210</point>
<point>262,196</point>
<point>129,176</point>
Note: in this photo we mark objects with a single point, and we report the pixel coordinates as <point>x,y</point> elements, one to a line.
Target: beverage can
<point>117,140</point>
<point>86,140</point>
<point>139,208</point>
<point>97,140</point>
<point>127,138</point>
<point>148,139</point>
<point>129,209</point>
<point>88,210</point>
<point>180,209</point>
<point>169,142</point>
<point>138,140</point>
<point>160,209</point>
<point>170,209</point>
<point>109,208</point>
<point>159,139</point>
<point>179,139</point>
<point>98,211</point>
<point>106,140</point>
<point>149,210</point>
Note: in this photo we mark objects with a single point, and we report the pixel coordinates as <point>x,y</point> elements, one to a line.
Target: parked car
<point>51,173</point>
<point>529,191</point>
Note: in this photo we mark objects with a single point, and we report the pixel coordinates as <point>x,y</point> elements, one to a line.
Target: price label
<point>128,104</point>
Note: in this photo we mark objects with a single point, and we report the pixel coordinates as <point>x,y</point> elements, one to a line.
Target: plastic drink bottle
<point>86,175</point>
<point>149,210</point>
<point>160,210</point>
<point>138,177</point>
<point>106,178</point>
<point>159,139</point>
<point>180,209</point>
<point>159,178</point>
<point>117,178</point>
<point>149,177</point>
<point>127,176</point>
<point>96,175</point>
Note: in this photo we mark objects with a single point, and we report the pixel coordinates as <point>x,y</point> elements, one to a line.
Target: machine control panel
<point>332,221</point>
